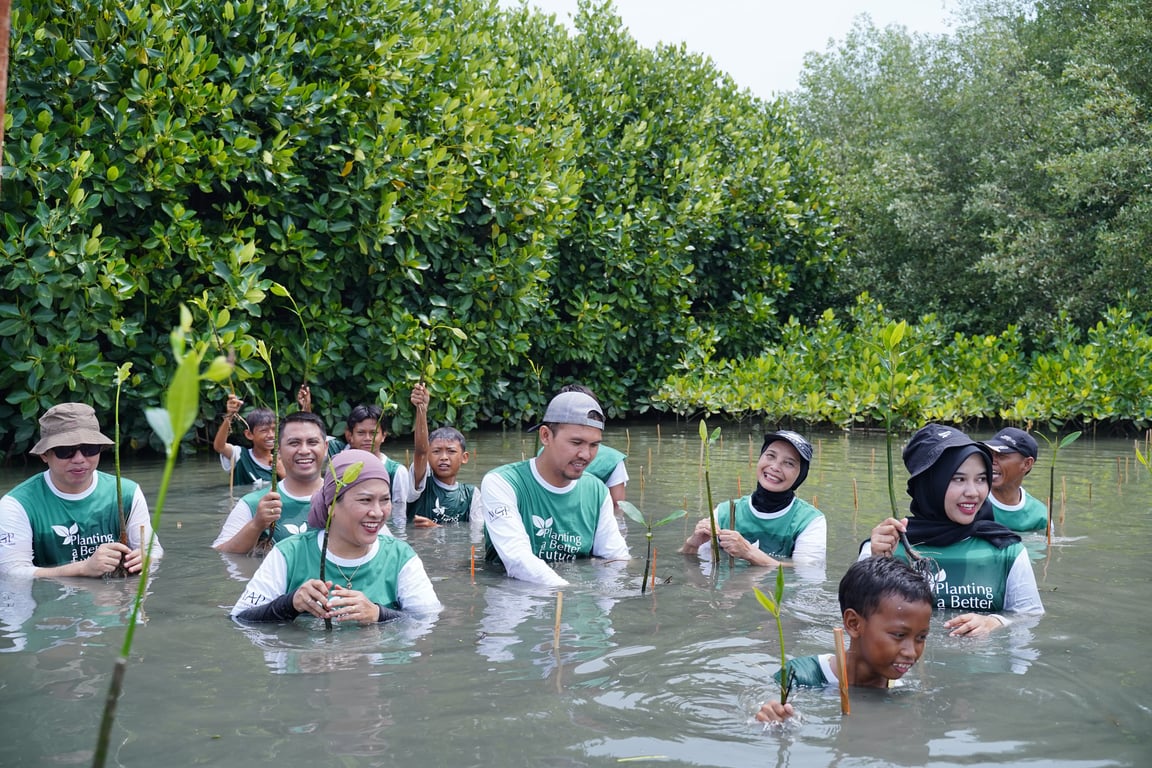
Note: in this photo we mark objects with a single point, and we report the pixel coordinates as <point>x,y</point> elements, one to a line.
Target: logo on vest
<point>965,597</point>
<point>83,547</point>
<point>556,546</point>
<point>294,529</point>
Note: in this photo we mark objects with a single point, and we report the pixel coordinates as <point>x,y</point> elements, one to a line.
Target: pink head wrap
<point>373,469</point>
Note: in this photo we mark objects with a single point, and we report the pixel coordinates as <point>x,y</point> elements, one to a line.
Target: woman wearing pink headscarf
<point>369,575</point>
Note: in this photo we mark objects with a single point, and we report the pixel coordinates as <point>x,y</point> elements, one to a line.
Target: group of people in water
<point>320,509</point>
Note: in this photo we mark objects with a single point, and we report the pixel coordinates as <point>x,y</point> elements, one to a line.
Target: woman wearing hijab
<point>771,523</point>
<point>369,575</point>
<point>983,567</point>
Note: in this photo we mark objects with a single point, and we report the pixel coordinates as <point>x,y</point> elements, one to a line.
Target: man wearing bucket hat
<point>771,523</point>
<point>1014,453</point>
<point>547,509</point>
<point>66,521</point>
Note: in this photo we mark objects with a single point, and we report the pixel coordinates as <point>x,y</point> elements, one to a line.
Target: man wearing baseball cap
<point>1014,452</point>
<point>66,521</point>
<point>547,509</point>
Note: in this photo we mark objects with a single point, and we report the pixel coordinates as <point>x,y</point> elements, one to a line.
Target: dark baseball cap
<point>1013,440</point>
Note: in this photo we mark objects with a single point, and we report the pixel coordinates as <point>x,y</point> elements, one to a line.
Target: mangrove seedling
<point>122,374</point>
<point>428,366</point>
<point>706,441</point>
<point>772,605</point>
<point>890,358</point>
<point>350,474</point>
<point>630,509</point>
<point>170,423</point>
<point>279,290</point>
<point>1056,445</point>
<point>266,355</point>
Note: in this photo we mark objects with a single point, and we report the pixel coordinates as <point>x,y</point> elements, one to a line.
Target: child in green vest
<point>251,464</point>
<point>437,496</point>
<point>886,608</point>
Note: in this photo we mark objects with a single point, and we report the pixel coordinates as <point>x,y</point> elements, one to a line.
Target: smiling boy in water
<point>436,460</point>
<point>886,609</point>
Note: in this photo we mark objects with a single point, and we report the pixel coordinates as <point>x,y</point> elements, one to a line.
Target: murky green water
<point>670,677</point>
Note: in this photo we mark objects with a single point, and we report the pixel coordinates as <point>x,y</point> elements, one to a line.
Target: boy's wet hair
<point>450,434</point>
<point>867,582</point>
<point>363,413</point>
<point>303,417</point>
<point>260,417</point>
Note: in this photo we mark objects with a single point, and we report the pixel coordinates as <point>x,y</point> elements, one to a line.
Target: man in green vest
<point>72,520</point>
<point>1014,453</point>
<point>547,509</point>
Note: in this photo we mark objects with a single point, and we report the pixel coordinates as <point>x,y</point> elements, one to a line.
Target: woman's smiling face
<point>779,466</point>
<point>966,490</point>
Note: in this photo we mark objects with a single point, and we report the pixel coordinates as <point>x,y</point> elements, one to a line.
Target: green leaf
<point>161,425</point>
<point>766,601</point>
<point>1070,438</point>
<point>674,516</point>
<point>630,509</point>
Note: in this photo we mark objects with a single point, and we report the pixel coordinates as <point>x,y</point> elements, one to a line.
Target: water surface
<point>671,677</point>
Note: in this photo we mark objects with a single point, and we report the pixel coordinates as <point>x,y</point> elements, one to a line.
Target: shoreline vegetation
<point>576,207</point>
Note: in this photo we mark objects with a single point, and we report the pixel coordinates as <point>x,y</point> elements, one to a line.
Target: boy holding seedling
<point>548,509</point>
<point>436,460</point>
<point>252,464</point>
<point>886,608</point>
<point>1014,453</point>
<point>771,523</point>
<point>364,430</point>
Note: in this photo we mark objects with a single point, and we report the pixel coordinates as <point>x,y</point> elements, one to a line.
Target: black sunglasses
<point>66,452</point>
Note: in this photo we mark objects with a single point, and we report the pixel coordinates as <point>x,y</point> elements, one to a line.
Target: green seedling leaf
<point>1140,458</point>
<point>674,516</point>
<point>1070,438</point>
<point>768,603</point>
<point>629,509</point>
<point>123,372</point>
<point>279,290</point>
<point>219,370</point>
<point>703,431</point>
<point>351,473</point>
<point>459,334</point>
<point>779,585</point>
<point>715,436</point>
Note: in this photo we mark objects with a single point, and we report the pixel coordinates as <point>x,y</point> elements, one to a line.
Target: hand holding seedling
<point>701,535</point>
<point>312,597</point>
<point>774,712</point>
<point>886,536</point>
<point>107,558</point>
<point>267,511</point>
<point>736,545</point>
<point>351,605</point>
<point>304,398</point>
<point>233,406</point>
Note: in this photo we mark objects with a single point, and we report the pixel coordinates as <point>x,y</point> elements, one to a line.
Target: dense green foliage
<point>1000,175</point>
<point>845,372</point>
<point>348,182</point>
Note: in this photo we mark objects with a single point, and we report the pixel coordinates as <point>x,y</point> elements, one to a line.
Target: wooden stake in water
<point>855,496</point>
<point>653,587</point>
<point>1063,496</point>
<point>472,560</point>
<point>556,628</point>
<point>842,671</point>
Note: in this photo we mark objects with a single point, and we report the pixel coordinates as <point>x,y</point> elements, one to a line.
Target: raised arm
<point>421,447</point>
<point>231,410</point>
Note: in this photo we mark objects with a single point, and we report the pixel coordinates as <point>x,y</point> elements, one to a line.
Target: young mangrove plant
<point>279,290</point>
<point>349,475</point>
<point>630,509</point>
<point>706,442</point>
<point>773,605</point>
<point>1056,444</point>
<point>170,423</point>
<point>266,355</point>
<point>891,358</point>
<point>122,374</point>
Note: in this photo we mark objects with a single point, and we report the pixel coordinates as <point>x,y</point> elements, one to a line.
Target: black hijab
<point>766,502</point>
<point>928,524</point>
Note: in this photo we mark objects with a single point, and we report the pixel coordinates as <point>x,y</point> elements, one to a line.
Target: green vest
<point>973,574</point>
<point>775,537</point>
<point>809,673</point>
<point>66,531</point>
<point>1033,516</point>
<point>561,526</point>
<point>248,470</point>
<point>378,578</point>
<point>293,513</point>
<point>443,505</point>
<point>605,463</point>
